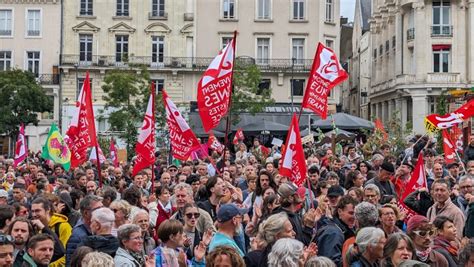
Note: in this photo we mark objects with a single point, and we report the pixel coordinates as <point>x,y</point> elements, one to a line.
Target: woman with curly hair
<point>224,256</point>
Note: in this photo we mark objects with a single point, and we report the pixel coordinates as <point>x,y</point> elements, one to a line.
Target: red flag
<point>435,122</point>
<point>448,147</point>
<point>239,136</point>
<point>457,137</point>
<point>21,151</point>
<point>93,155</point>
<point>145,147</point>
<point>379,127</point>
<point>293,163</point>
<point>417,181</point>
<point>215,88</point>
<point>214,144</point>
<point>81,133</point>
<point>113,153</point>
<point>326,73</point>
<point>183,140</point>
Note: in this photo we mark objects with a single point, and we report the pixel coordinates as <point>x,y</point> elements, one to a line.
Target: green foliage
<point>247,96</point>
<point>21,98</point>
<point>127,94</point>
<point>104,144</point>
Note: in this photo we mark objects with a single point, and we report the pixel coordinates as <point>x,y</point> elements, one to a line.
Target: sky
<point>347,9</point>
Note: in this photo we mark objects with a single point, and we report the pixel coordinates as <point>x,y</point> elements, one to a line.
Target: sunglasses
<point>424,233</point>
<point>191,215</point>
<point>6,239</point>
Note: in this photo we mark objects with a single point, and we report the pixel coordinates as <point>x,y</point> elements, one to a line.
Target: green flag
<point>56,148</point>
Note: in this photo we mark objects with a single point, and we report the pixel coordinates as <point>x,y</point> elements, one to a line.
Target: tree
<point>125,95</point>
<point>247,95</point>
<point>21,99</point>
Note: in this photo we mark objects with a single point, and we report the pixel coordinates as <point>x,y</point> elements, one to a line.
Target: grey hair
<point>366,214</point>
<point>271,227</point>
<point>377,157</point>
<point>97,259</point>
<point>104,216</point>
<point>332,174</point>
<point>185,186</point>
<point>86,202</point>
<point>319,261</point>
<point>141,211</point>
<point>368,236</point>
<point>464,178</point>
<point>286,252</point>
<point>125,231</point>
<point>372,187</point>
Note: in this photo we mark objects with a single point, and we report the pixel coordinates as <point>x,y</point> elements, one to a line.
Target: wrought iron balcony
<point>442,30</point>
<point>410,34</point>
<point>5,32</point>
<point>48,79</point>
<point>159,15</point>
<point>184,63</point>
<point>33,33</point>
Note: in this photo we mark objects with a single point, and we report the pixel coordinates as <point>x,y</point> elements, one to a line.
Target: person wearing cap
<point>382,181</point>
<point>453,169</point>
<point>229,218</point>
<point>421,231</point>
<point>290,203</point>
<point>334,194</point>
<point>441,191</point>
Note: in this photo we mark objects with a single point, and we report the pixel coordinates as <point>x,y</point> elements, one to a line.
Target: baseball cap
<point>335,191</point>
<point>415,222</point>
<point>407,163</point>
<point>228,211</point>
<point>387,166</point>
<point>3,193</point>
<point>287,190</point>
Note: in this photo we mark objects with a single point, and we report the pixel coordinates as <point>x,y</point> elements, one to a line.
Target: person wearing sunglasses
<point>421,231</point>
<point>193,236</point>
<point>6,250</point>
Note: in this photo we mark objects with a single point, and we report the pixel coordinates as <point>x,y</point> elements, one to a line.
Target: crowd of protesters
<point>237,210</point>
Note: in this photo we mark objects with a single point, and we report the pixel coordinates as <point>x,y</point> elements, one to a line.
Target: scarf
<point>443,243</point>
<point>423,255</point>
<point>167,208</point>
<point>138,256</point>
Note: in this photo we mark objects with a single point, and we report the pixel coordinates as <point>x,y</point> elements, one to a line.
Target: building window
<point>33,18</point>
<point>263,50</point>
<point>6,22</point>
<point>85,47</point>
<point>33,62</point>
<point>158,49</point>
<point>225,41</point>
<point>394,42</point>
<point>263,9</point>
<point>264,86</point>
<point>158,8</point>
<point>121,48</point>
<point>159,85</point>
<point>297,85</point>
<point>298,9</point>
<point>228,9</point>
<point>375,53</point>
<point>387,46</point>
<point>5,60</point>
<point>381,50</point>
<point>80,83</point>
<point>329,10</point>
<point>441,18</point>
<point>123,8</point>
<point>297,51</point>
<point>86,8</point>
<point>441,60</point>
<point>330,44</point>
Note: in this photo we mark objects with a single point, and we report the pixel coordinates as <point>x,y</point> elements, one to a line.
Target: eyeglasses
<point>172,170</point>
<point>424,233</point>
<point>6,239</point>
<point>466,187</point>
<point>191,215</point>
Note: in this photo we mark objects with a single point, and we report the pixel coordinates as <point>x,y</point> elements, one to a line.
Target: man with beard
<point>6,251</point>
<point>101,227</point>
<point>20,230</point>
<point>40,251</point>
<point>215,190</point>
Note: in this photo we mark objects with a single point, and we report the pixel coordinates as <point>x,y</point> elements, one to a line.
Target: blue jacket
<point>330,239</point>
<point>79,232</point>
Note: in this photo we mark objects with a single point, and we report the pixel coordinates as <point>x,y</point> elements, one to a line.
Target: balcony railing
<point>48,79</point>
<point>33,33</point>
<point>185,63</point>
<point>188,16</point>
<point>442,30</point>
<point>443,77</point>
<point>410,34</point>
<point>157,15</point>
<point>5,32</point>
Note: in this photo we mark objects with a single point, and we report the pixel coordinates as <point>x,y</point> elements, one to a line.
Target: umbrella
<point>343,121</point>
<point>199,132</point>
<point>264,125</point>
<point>341,134</point>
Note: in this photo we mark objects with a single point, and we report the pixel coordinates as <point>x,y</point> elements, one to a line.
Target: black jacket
<point>469,226</point>
<point>303,233</point>
<point>330,239</point>
<point>102,243</point>
<point>419,202</point>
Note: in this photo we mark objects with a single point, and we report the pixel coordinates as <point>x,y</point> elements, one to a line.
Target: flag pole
<point>228,121</point>
<point>98,163</point>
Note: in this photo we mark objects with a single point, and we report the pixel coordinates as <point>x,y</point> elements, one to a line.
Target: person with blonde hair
<point>97,259</point>
<point>122,210</point>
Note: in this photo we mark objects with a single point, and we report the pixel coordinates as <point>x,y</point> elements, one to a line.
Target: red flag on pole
<point>379,127</point>
<point>21,150</point>
<point>214,144</point>
<point>81,133</point>
<point>326,73</point>
<point>239,136</point>
<point>183,141</point>
<point>145,147</point>
<point>215,88</point>
<point>113,153</point>
<point>448,147</point>
<point>417,181</point>
<point>93,155</point>
<point>457,137</point>
<point>293,163</point>
<point>435,122</point>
